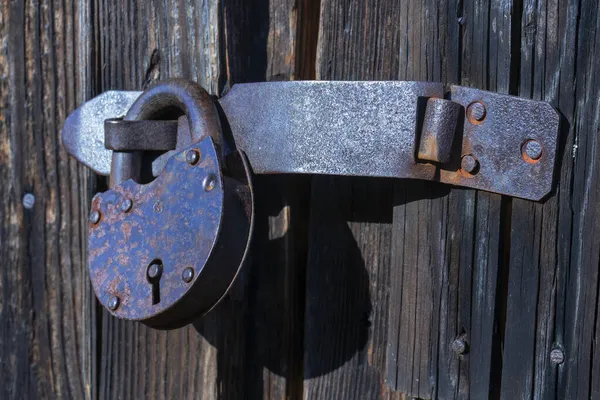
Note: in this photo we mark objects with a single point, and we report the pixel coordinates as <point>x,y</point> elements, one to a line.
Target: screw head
<point>557,356</point>
<point>459,346</point>
<point>113,303</point>
<point>154,270</point>
<point>209,183</point>
<point>469,164</point>
<point>126,205</point>
<point>187,275</point>
<point>95,217</point>
<point>476,112</point>
<point>192,157</point>
<point>28,201</point>
<point>533,150</point>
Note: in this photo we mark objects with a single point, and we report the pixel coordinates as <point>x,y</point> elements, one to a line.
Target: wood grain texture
<point>251,345</point>
<point>350,226</point>
<point>48,338</point>
<point>447,243</point>
<point>541,233</point>
<point>348,264</point>
<point>350,256</point>
<point>436,278</point>
<point>442,262</point>
<point>553,280</point>
<point>579,375</point>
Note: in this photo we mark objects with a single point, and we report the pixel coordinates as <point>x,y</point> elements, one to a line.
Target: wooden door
<point>357,287</point>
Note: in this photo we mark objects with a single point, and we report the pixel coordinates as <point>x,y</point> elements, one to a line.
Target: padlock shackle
<point>186,96</point>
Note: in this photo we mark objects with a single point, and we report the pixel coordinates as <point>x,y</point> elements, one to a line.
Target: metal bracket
<point>466,137</point>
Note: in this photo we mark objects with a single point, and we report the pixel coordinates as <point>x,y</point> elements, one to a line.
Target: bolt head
<point>126,205</point>
<point>113,303</point>
<point>557,356</point>
<point>533,149</point>
<point>209,183</point>
<point>469,164</point>
<point>459,346</point>
<point>95,216</point>
<point>154,270</point>
<point>192,157</point>
<point>187,275</point>
<point>28,201</point>
<point>476,112</point>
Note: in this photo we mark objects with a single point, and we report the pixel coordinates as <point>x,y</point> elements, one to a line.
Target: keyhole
<point>153,274</point>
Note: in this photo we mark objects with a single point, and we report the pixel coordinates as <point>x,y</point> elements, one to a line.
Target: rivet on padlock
<point>167,268</point>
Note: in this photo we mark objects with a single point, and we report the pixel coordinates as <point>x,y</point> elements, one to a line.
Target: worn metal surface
<point>174,222</point>
<point>439,129</point>
<point>152,135</point>
<point>169,99</point>
<point>83,131</point>
<point>496,143</point>
<point>181,233</point>
<point>371,129</point>
<point>337,128</point>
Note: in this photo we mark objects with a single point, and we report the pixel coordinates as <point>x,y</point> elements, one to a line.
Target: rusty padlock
<point>165,252</point>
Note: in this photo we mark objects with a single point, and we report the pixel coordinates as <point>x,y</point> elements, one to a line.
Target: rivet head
<point>95,217</point>
<point>187,275</point>
<point>469,164</point>
<point>476,112</point>
<point>192,157</point>
<point>113,303</point>
<point>28,201</point>
<point>557,356</point>
<point>126,205</point>
<point>209,183</point>
<point>460,346</point>
<point>154,270</point>
<point>532,149</point>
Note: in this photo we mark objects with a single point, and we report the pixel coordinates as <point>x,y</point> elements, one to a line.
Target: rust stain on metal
<point>179,236</point>
<point>476,112</point>
<point>529,158</point>
<point>175,220</point>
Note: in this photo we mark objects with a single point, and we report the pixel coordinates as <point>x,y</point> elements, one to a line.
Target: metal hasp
<point>396,129</point>
<point>168,238</point>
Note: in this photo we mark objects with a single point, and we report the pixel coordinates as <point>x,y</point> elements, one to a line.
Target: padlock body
<point>191,220</point>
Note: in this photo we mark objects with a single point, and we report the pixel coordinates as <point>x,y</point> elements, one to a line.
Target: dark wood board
<point>553,279</point>
<point>432,263</point>
<point>47,313</point>
<point>541,233</point>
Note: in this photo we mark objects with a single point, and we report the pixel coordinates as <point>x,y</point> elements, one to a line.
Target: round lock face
<point>148,244</point>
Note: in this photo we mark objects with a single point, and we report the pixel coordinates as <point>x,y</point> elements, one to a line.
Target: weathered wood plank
<point>447,242</point>
<point>359,41</point>
<point>577,379</point>
<point>251,345</point>
<point>48,336</point>
<point>346,296</point>
<point>541,233</point>
<point>351,224</point>
<point>418,238</point>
